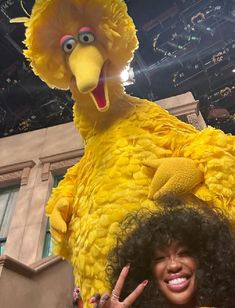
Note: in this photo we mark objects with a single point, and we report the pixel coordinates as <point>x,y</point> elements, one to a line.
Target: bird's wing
<point>214,152</point>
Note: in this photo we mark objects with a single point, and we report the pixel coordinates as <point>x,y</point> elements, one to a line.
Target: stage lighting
<point>128,76</point>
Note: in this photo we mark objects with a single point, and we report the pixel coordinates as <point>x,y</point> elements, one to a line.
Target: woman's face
<point>175,270</point>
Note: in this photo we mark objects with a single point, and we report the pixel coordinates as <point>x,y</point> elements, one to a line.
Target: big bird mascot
<point>134,150</point>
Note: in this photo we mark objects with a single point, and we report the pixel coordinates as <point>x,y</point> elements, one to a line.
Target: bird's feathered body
<point>110,181</point>
<point>120,133</point>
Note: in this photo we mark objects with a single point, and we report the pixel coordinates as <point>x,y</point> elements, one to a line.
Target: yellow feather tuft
<point>19,20</point>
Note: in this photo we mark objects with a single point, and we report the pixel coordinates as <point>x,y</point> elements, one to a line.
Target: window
<point>8,197</point>
<point>47,249</point>
<point>57,179</point>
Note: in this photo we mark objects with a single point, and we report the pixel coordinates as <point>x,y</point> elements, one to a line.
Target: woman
<point>182,256</point>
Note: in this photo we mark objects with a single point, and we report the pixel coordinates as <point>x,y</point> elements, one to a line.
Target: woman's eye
<point>86,37</point>
<point>183,253</point>
<point>68,44</point>
<point>159,259</point>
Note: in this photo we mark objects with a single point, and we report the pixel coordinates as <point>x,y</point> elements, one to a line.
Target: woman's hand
<point>107,301</point>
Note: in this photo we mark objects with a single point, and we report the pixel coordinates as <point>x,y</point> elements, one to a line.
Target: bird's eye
<point>86,37</point>
<point>68,43</point>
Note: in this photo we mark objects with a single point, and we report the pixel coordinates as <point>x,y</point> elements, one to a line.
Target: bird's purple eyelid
<point>86,29</point>
<point>65,38</point>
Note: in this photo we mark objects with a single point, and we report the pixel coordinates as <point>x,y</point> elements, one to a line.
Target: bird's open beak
<point>89,69</point>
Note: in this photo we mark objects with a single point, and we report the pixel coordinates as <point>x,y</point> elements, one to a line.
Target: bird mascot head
<point>80,44</point>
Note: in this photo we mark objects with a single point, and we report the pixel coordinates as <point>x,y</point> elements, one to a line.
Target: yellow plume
<point>19,20</point>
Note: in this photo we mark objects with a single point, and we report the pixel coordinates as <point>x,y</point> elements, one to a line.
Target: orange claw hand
<point>174,175</point>
<point>60,217</point>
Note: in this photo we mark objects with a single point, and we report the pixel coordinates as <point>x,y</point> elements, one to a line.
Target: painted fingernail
<point>95,298</point>
<point>126,267</point>
<point>145,282</point>
<point>92,300</point>
<point>106,297</point>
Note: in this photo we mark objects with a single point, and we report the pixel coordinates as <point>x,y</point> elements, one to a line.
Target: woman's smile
<point>178,284</point>
<point>174,270</point>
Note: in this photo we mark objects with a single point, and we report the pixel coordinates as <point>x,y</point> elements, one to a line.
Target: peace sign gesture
<point>107,301</point>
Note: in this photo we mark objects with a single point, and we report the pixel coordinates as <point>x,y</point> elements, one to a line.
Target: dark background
<point>185,45</point>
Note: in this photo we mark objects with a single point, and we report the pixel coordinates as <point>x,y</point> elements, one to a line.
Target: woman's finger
<point>104,299</point>
<point>130,299</point>
<point>120,282</point>
<point>95,299</point>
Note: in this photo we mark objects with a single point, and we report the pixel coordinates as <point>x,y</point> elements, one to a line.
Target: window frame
<point>47,245</point>
<point>7,189</point>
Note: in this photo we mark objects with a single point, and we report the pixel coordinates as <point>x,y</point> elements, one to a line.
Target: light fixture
<point>128,76</point>
<point>219,114</point>
<point>233,70</point>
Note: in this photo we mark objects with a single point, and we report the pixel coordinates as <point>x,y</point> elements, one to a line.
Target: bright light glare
<point>128,76</point>
<point>233,70</point>
<point>125,75</point>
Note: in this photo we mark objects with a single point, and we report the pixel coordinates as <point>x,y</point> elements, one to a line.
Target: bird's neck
<point>89,121</point>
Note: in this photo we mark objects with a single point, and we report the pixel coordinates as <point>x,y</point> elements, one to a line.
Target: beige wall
<point>47,284</point>
<point>31,159</point>
<point>60,146</point>
<point>39,143</point>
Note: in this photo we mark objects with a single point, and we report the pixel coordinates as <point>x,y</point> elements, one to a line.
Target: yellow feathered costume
<point>134,150</point>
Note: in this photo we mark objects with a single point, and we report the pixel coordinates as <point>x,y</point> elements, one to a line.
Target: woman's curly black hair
<point>205,231</point>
